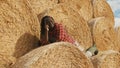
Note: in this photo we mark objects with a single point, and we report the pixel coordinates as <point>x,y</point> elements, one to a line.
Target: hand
<point>46,32</point>
<point>47,27</point>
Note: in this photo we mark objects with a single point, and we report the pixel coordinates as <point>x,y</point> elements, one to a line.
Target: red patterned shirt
<point>59,34</point>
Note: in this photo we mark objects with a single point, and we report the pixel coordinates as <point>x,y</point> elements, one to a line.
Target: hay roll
<point>41,5</point>
<point>83,7</point>
<point>102,8</point>
<point>56,55</point>
<point>117,29</point>
<point>19,28</point>
<point>76,26</point>
<point>103,33</point>
<point>107,59</point>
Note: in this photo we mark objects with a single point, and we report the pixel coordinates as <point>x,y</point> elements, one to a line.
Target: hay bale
<point>6,61</point>
<point>102,8</point>
<point>92,22</point>
<point>19,29</point>
<point>103,33</point>
<point>41,5</point>
<point>83,7</point>
<point>107,59</point>
<point>76,26</point>
<point>56,55</point>
<point>117,30</point>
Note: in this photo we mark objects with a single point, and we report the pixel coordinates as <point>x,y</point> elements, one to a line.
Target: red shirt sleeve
<point>60,32</point>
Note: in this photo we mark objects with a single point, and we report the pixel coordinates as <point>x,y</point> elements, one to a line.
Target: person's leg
<point>88,54</point>
<point>91,51</point>
<point>79,46</point>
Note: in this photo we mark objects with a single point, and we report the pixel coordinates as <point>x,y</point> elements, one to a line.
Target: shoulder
<point>58,25</point>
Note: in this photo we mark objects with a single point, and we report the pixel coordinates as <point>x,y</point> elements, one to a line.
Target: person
<point>53,32</point>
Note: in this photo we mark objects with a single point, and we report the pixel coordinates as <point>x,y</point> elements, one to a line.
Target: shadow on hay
<point>25,43</point>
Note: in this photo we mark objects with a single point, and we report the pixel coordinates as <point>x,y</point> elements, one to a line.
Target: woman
<point>53,32</point>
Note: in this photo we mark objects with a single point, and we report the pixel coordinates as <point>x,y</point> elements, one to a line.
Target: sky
<point>115,5</point>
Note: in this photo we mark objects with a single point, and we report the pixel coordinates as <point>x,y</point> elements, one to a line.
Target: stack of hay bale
<point>87,21</point>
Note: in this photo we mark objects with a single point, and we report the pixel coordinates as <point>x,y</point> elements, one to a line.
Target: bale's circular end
<point>56,55</point>
<point>104,34</point>
<point>102,8</point>
<point>111,61</point>
<point>107,59</point>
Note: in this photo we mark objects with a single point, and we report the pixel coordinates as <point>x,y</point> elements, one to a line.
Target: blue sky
<point>115,5</point>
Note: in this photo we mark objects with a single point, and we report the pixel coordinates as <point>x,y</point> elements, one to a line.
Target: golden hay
<point>107,59</point>
<point>92,22</point>
<point>83,7</point>
<point>19,29</point>
<point>103,33</point>
<point>117,29</point>
<point>41,5</point>
<point>102,8</point>
<point>76,26</point>
<point>56,55</point>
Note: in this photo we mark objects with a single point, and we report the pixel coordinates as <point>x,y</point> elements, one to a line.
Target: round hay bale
<point>102,8</point>
<point>6,61</point>
<point>19,28</point>
<point>83,7</point>
<point>103,33</point>
<point>41,5</point>
<point>107,59</point>
<point>56,55</point>
<point>75,25</point>
<point>92,22</point>
<point>117,29</point>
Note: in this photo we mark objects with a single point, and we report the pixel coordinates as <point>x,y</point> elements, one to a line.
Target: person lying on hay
<point>55,32</point>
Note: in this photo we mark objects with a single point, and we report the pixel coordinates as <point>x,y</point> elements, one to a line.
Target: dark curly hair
<point>46,19</point>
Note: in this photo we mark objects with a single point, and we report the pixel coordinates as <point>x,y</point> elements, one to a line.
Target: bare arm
<point>44,37</point>
<point>46,33</point>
